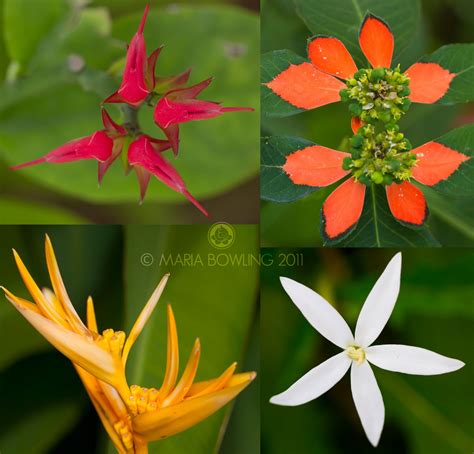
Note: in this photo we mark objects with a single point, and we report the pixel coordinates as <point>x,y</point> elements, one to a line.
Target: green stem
<point>130,115</point>
<point>374,208</point>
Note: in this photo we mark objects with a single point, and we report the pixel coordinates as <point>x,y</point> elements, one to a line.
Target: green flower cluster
<point>377,94</point>
<point>380,157</point>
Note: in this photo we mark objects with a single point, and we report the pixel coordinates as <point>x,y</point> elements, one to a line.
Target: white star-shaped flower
<point>358,350</point>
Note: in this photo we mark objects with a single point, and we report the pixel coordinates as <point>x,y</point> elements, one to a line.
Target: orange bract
<point>343,207</point>
<point>331,56</point>
<point>436,162</point>
<point>315,166</point>
<point>428,82</point>
<point>376,41</point>
<point>305,87</point>
<point>407,203</point>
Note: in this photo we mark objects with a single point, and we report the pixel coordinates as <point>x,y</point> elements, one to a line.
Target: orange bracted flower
<point>133,416</point>
<point>384,159</point>
<point>378,93</point>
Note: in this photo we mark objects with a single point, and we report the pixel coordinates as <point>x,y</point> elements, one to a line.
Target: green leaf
<point>25,25</point>
<point>275,185</point>
<point>273,63</point>
<point>378,228</point>
<point>457,59</point>
<point>342,19</point>
<point>461,182</point>
<point>213,302</point>
<point>216,155</point>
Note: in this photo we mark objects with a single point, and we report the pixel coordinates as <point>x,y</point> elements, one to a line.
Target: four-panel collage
<point>236,226</point>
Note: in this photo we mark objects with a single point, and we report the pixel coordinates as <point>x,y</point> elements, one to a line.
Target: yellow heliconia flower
<point>132,416</point>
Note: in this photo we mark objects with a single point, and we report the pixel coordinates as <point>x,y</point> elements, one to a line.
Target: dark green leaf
<point>273,63</point>
<point>274,182</point>
<point>343,18</point>
<point>378,228</point>
<point>458,59</point>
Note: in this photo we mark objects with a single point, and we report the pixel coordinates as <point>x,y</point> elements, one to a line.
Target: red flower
<point>139,74</point>
<point>104,146</point>
<point>319,166</point>
<point>144,154</point>
<point>311,85</point>
<point>180,106</point>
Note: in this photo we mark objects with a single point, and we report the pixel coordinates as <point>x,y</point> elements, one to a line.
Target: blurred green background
<point>423,415</point>
<point>297,224</point>
<point>44,406</point>
<point>44,103</point>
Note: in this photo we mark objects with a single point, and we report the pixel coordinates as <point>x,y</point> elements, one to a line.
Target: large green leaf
<point>37,19</point>
<point>378,228</point>
<point>216,155</point>
<point>213,302</point>
<point>457,59</point>
<point>342,19</point>
<point>275,185</point>
<point>273,63</point>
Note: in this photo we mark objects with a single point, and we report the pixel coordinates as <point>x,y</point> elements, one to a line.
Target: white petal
<point>319,313</point>
<point>379,304</point>
<point>316,382</point>
<point>411,360</point>
<point>368,400</point>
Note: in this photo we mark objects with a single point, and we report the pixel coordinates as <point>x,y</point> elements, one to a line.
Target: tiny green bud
<point>387,180</point>
<point>385,116</point>
<point>364,179</point>
<point>377,74</point>
<point>405,91</point>
<point>406,105</point>
<point>357,141</point>
<point>344,94</point>
<point>355,108</point>
<point>346,163</point>
<point>377,177</point>
<point>392,127</point>
<point>395,165</point>
<point>359,74</point>
<point>355,153</point>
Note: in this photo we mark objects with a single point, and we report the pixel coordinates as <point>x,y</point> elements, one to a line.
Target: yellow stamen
<point>172,363</point>
<point>356,353</point>
<point>91,320</point>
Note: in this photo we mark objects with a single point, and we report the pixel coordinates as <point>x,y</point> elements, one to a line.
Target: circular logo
<point>221,235</point>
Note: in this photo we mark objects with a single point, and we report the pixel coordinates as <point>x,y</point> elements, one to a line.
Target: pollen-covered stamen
<point>380,158</point>
<point>378,94</point>
<point>112,341</point>
<point>143,400</point>
<point>356,353</point>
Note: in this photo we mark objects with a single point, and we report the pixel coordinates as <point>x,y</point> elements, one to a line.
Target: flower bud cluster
<point>380,157</point>
<point>378,94</point>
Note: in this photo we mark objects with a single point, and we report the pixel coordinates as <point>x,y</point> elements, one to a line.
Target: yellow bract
<point>132,416</point>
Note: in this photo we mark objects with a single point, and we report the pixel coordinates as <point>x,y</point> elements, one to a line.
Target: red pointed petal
<point>150,71</point>
<point>114,98</point>
<point>376,41</point>
<point>182,94</point>
<point>142,154</point>
<point>110,124</point>
<point>165,84</point>
<point>104,166</point>
<point>436,162</point>
<point>331,56</point>
<point>342,209</point>
<point>306,87</point>
<point>160,145</point>
<point>144,18</point>
<point>143,177</point>
<point>172,133</point>
<point>97,146</point>
<point>356,123</point>
<point>428,82</point>
<point>407,203</point>
<point>315,166</point>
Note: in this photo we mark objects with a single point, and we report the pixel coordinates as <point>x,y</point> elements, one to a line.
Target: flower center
<point>380,158</point>
<point>112,341</point>
<point>378,94</point>
<point>356,353</point>
<point>142,400</point>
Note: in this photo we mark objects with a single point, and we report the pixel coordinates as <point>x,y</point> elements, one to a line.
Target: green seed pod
<point>392,127</point>
<point>394,165</point>
<point>405,91</point>
<point>359,74</point>
<point>377,74</point>
<point>355,153</point>
<point>364,179</point>
<point>385,116</point>
<point>344,94</point>
<point>377,177</point>
<point>387,180</point>
<point>355,108</point>
<point>346,163</point>
<point>406,105</point>
<point>357,141</point>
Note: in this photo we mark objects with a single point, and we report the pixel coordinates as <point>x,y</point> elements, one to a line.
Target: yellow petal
<point>45,306</point>
<point>187,378</point>
<point>168,421</point>
<point>143,317</point>
<point>235,380</point>
<point>172,361</point>
<point>20,301</point>
<point>91,320</point>
<point>60,289</point>
<point>218,383</point>
<point>79,349</point>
